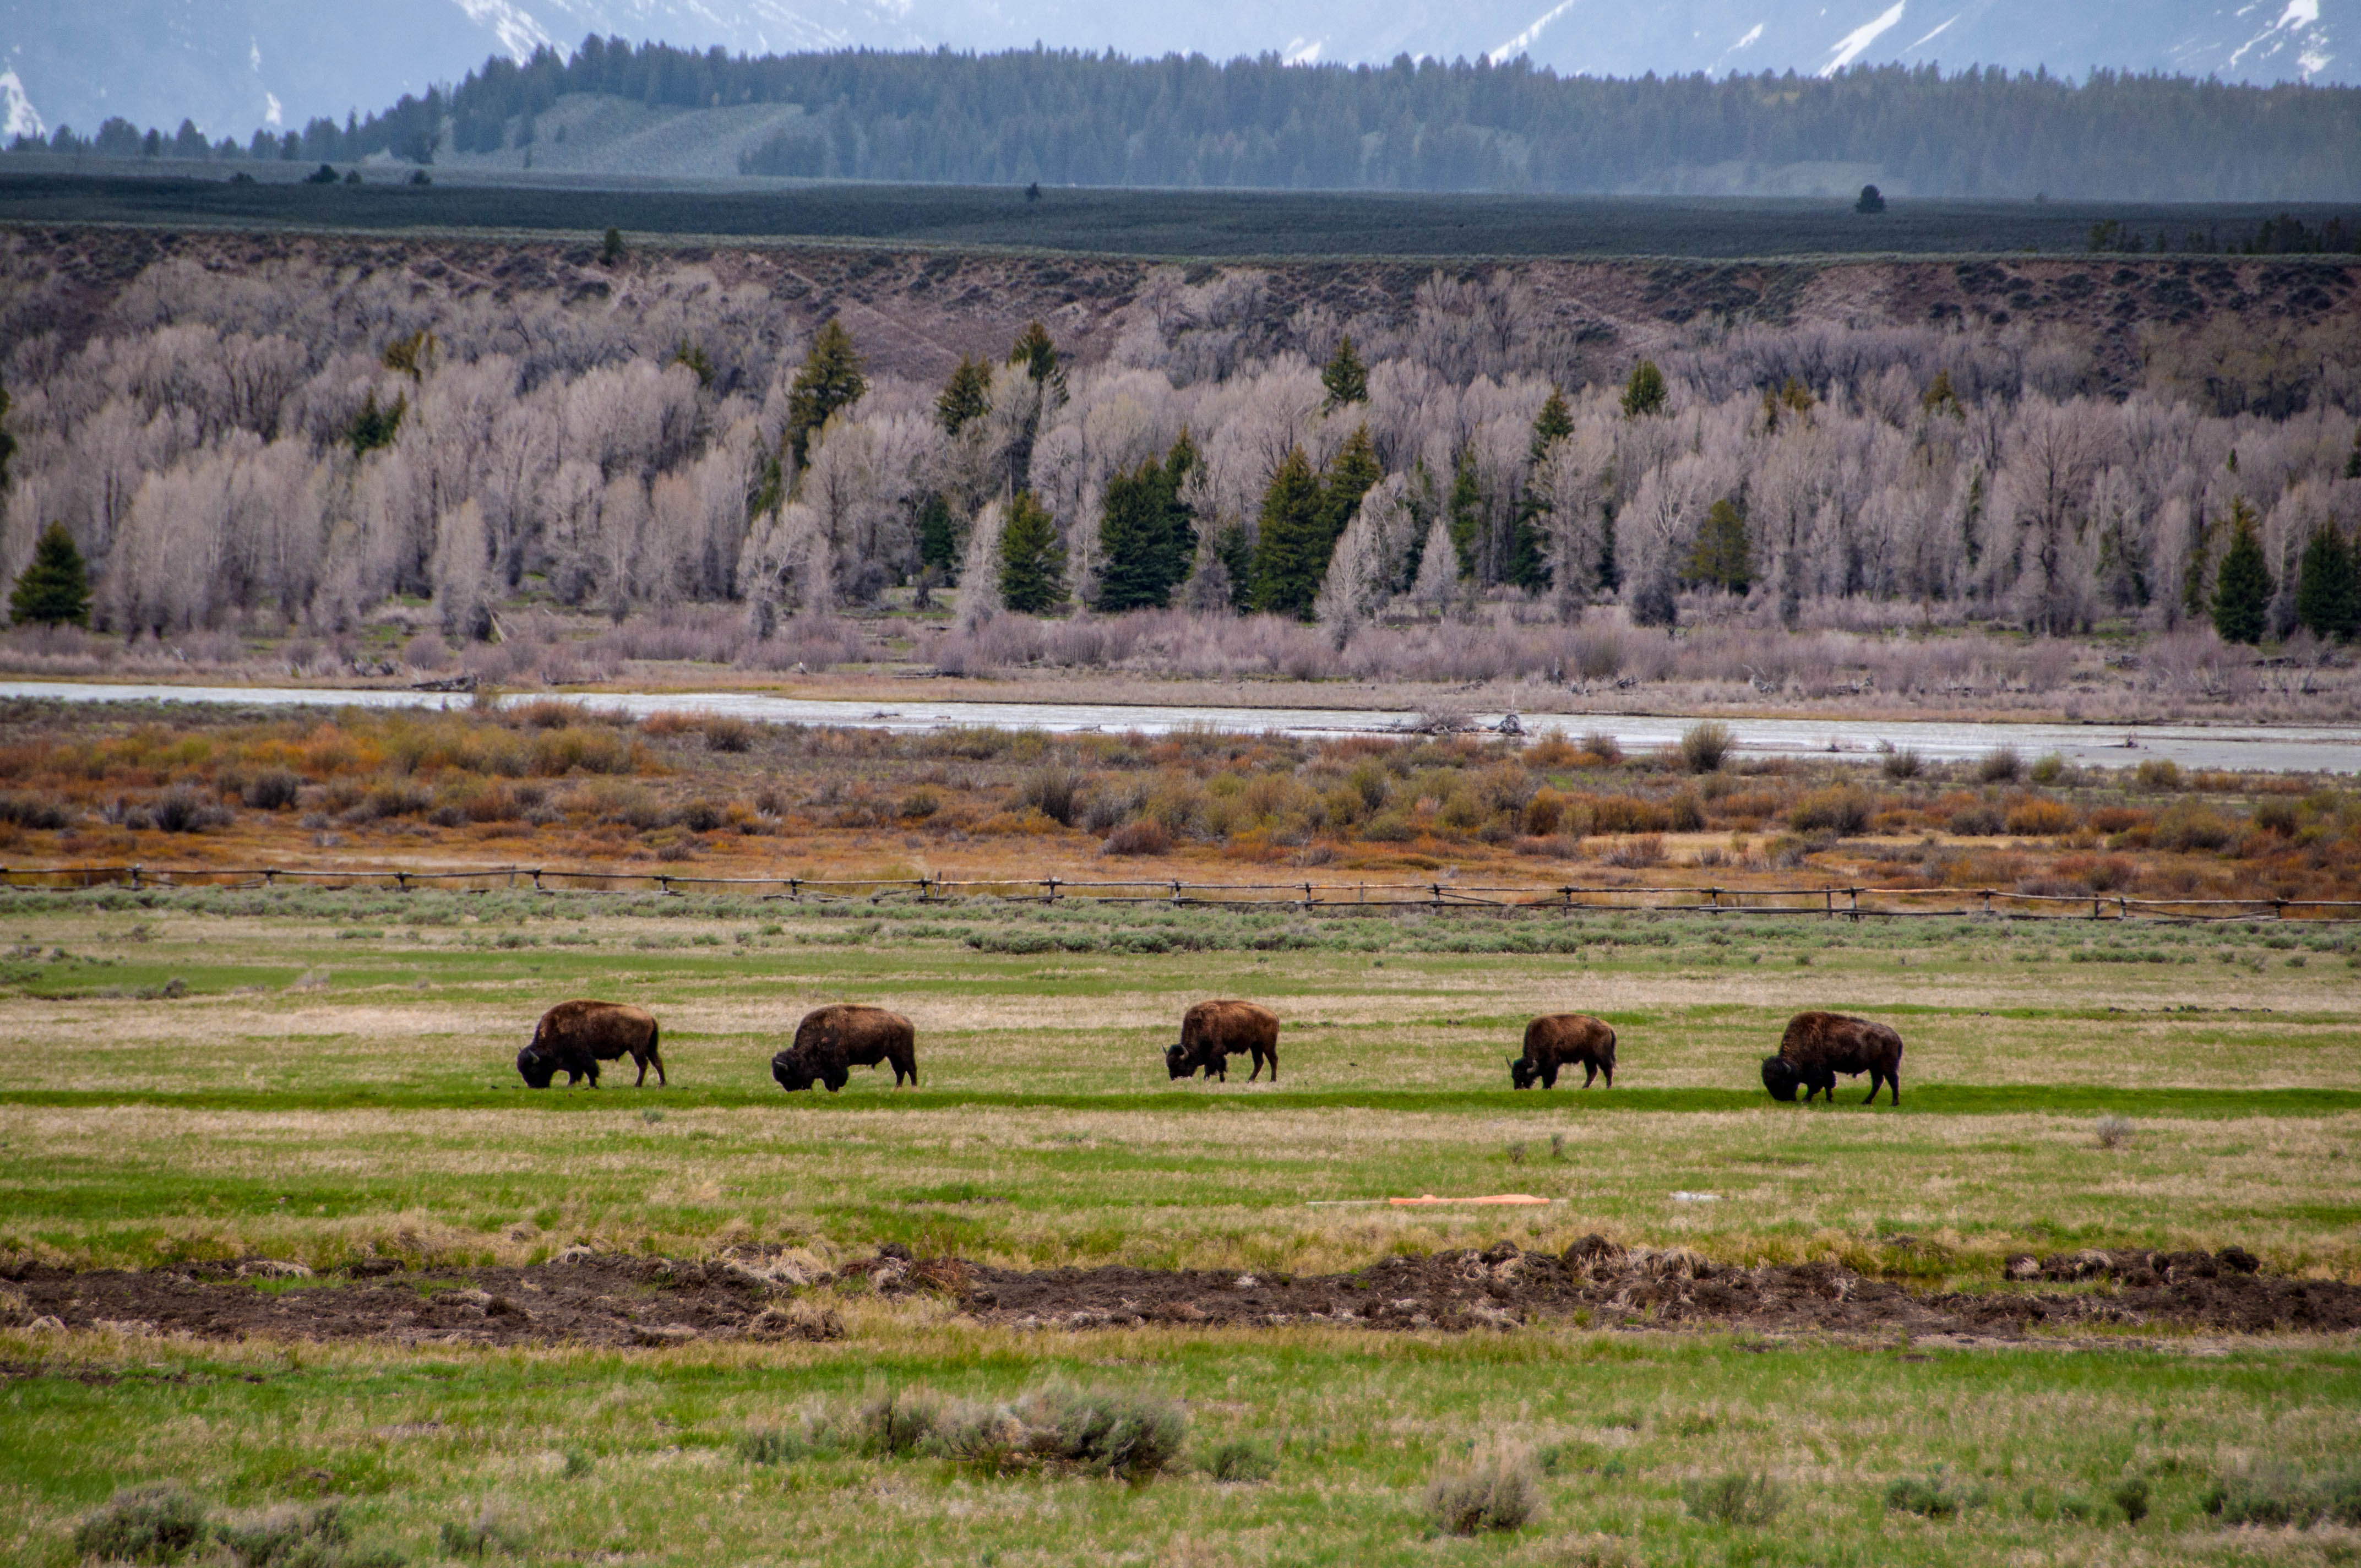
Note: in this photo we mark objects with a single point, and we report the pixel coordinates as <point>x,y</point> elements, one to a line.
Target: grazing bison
<point>1818,1046</point>
<point>573,1037</point>
<point>1213,1032</point>
<point>1565,1039</point>
<point>832,1040</point>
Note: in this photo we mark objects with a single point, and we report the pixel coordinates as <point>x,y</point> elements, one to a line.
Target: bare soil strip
<point>605,1299</point>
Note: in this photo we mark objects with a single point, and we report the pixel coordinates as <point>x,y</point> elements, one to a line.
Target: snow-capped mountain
<point>235,65</point>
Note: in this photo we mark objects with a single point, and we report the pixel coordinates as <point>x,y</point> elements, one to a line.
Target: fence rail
<point>1827,900</point>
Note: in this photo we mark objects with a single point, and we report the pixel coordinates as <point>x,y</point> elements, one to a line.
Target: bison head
<point>792,1074</point>
<point>538,1069</point>
<point>1176,1061</point>
<point>1522,1073</point>
<point>1781,1078</point>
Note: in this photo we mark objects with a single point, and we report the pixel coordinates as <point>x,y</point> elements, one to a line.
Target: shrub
<point>2185,825</point>
<point>1096,1431</point>
<point>1704,747</point>
<point>698,816</point>
<point>1242,1459</point>
<point>1144,837</point>
<point>1687,812</point>
<point>29,811</point>
<point>2049,769</point>
<point>1501,1491</point>
<point>2114,1131</point>
<point>1976,821</point>
<point>2131,1495</point>
<point>1640,851</point>
<point>2158,776</point>
<point>1603,746</point>
<point>487,1532</point>
<point>723,733</point>
<point>154,1523</point>
<point>1902,764</point>
<point>2000,765</point>
<point>1840,809</point>
<point>272,790</point>
<point>1054,791</point>
<point>183,808</point>
<point>300,1538</point>
<point>1734,1497</point>
<point>1924,1496</point>
<point>773,1446</point>
<point>1544,811</point>
<point>2040,819</point>
<point>2279,1496</point>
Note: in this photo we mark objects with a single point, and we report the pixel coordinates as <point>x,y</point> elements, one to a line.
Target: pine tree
<point>1291,552</point>
<point>1644,392</point>
<point>1180,536</point>
<point>1032,561</point>
<point>1346,379</point>
<point>1528,564</point>
<point>1235,553</point>
<point>53,590</point>
<point>831,379</point>
<point>1039,356</point>
<point>1465,511</point>
<point>1940,397</point>
<point>1722,558</point>
<point>374,427</point>
<point>2327,598</point>
<point>937,540</point>
<point>1138,538</point>
<point>1351,473</point>
<point>7,442</point>
<point>2243,588</point>
<point>2352,458</point>
<point>968,395</point>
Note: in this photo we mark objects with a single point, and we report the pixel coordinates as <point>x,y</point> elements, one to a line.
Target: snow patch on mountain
<point>1752,36</point>
<point>1525,41</point>
<point>519,34</point>
<point>1849,48</point>
<point>23,119</point>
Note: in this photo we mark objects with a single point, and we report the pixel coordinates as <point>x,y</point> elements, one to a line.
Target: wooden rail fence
<point>1827,899</point>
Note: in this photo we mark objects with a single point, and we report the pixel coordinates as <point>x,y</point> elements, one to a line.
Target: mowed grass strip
<point>636,1457</point>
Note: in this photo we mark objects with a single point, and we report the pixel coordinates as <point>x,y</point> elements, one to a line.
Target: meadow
<point>1155,222</point>
<point>323,1076</point>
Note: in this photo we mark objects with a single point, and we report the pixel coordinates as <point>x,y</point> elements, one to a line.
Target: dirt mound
<point>584,1298</point>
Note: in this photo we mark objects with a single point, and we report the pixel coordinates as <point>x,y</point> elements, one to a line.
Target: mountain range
<point>233,66</point>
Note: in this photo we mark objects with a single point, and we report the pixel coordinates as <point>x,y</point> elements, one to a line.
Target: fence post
<point>1436,888</point>
<point>2279,908</point>
<point>1176,891</point>
<point>1713,897</point>
<point>2123,908</point>
<point>1854,893</point>
<point>1986,895</point>
<point>1830,894</point>
<point>1307,898</point>
<point>664,886</point>
<point>402,881</point>
<point>135,879</point>
<point>794,889</point>
<point>1053,890</point>
<point>2095,907</point>
<point>536,879</point>
<point>269,877</point>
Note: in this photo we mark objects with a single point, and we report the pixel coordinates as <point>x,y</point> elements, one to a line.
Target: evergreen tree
<point>2327,598</point>
<point>1236,555</point>
<point>1147,539</point>
<point>2242,590</point>
<point>374,427</point>
<point>2352,458</point>
<point>1940,397</point>
<point>1873,199</point>
<point>1528,566</point>
<point>1291,552</point>
<point>53,590</point>
<point>7,442</point>
<point>1346,379</point>
<point>1039,356</point>
<point>937,540</point>
<point>968,395</point>
<point>1465,511</point>
<point>1644,392</point>
<point>1721,557</point>
<point>1350,475</point>
<point>1032,561</point>
<point>831,379</point>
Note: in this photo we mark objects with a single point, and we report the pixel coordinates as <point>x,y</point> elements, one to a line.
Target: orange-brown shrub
<point>2035,817</point>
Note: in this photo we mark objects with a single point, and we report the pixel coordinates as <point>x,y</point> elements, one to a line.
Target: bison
<point>1213,1032</point>
<point>1564,1039</point>
<point>573,1037</point>
<point>1818,1046</point>
<point>832,1040</point>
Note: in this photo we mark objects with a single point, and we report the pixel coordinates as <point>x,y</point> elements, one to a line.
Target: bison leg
<point>1549,1072</point>
<point>1608,1071</point>
<point>1589,1071</point>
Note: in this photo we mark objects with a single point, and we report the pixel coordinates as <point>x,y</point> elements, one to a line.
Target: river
<point>2316,748</point>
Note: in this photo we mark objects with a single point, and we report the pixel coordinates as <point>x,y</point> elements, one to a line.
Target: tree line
<point>292,446</point>
<point>1060,116</point>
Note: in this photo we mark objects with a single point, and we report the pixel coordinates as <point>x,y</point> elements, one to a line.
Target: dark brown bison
<point>1818,1046</point>
<point>832,1040</point>
<point>573,1037</point>
<point>1213,1032</point>
<point>1565,1039</point>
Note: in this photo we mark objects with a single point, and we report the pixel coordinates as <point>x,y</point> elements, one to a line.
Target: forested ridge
<point>1066,117</point>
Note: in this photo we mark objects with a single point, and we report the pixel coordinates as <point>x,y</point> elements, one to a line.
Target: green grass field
<point>333,1075</point>
<point>1209,224</point>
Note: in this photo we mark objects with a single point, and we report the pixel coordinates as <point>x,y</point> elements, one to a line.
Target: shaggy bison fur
<point>1213,1032</point>
<point>1563,1040</point>
<point>832,1040</point>
<point>1818,1046</point>
<point>573,1037</point>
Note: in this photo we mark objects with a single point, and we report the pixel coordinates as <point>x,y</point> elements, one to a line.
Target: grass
<point>427,1445</point>
<point>1160,222</point>
<point>377,1110</point>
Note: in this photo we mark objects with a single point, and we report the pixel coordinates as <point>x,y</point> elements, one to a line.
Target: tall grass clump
<point>1242,1459</point>
<point>2114,1131</point>
<point>2276,1496</point>
<point>1734,1497</point>
<point>1902,764</point>
<point>1103,1432</point>
<point>1704,747</point>
<point>2000,765</point>
<point>159,1522</point>
<point>1498,1491</point>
